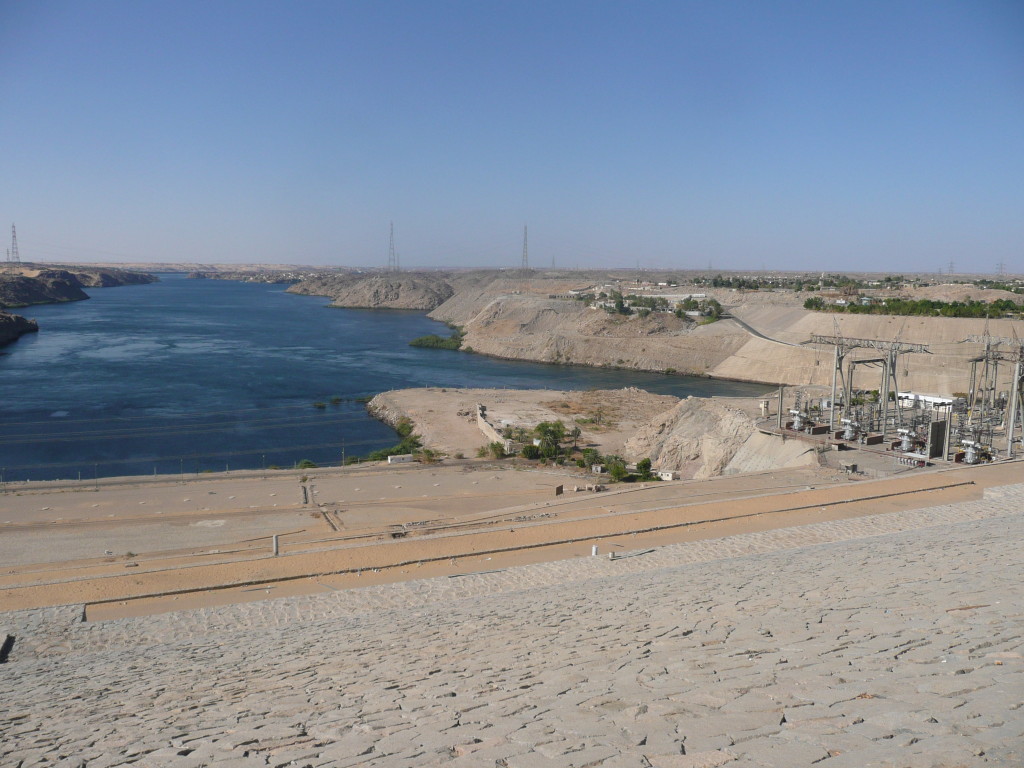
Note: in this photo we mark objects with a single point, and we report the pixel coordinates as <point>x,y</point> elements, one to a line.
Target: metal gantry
<point>985,405</point>
<point>893,349</point>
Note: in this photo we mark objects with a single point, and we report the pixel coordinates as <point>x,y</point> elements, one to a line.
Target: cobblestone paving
<point>893,640</point>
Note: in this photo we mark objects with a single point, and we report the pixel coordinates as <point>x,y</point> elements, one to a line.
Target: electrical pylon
<point>14,258</point>
<point>392,257</point>
<point>526,259</point>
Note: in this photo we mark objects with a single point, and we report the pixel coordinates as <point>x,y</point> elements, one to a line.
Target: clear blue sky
<point>818,135</point>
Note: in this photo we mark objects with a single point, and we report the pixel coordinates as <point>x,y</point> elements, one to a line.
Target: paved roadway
<point>888,640</point>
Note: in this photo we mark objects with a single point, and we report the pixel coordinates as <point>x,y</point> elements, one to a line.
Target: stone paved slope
<point>894,640</point>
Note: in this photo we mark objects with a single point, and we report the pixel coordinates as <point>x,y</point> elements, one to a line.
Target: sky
<point>878,136</point>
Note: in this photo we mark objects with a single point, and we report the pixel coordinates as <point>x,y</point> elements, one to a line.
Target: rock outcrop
<point>405,290</point>
<point>707,437</point>
<point>14,326</point>
<point>111,278</point>
<point>51,286</point>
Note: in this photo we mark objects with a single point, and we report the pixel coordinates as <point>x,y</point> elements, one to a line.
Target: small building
<point>918,399</point>
<point>667,474</point>
<point>400,458</point>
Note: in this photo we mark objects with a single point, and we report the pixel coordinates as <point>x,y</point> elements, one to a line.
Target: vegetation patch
<point>920,307</point>
<point>433,341</point>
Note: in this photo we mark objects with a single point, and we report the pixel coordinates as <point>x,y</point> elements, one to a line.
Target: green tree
<point>643,467</point>
<point>617,470</point>
<point>551,434</point>
<point>620,304</point>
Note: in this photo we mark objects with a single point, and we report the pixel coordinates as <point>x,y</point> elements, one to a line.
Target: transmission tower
<point>392,256</point>
<point>951,266</point>
<point>13,256</point>
<point>526,260</point>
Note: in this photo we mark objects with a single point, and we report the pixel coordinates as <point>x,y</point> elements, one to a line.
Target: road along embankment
<point>671,521</point>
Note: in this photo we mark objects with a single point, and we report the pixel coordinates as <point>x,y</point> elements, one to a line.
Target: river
<point>206,375</point>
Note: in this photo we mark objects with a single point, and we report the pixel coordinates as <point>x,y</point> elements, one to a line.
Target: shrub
<point>531,452</point>
<point>427,456</point>
<point>306,464</point>
<point>433,341</point>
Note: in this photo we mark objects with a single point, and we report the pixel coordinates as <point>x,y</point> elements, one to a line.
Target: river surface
<point>207,375</point>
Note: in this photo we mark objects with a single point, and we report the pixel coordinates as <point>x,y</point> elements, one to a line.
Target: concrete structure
<point>490,433</point>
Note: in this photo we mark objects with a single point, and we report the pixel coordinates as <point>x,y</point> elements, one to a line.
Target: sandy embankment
<point>446,418</point>
<point>769,343</point>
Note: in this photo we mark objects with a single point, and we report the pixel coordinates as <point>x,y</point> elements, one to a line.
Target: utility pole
<point>782,392</point>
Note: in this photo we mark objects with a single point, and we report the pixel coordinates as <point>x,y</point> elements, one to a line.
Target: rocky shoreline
<point>13,327</point>
<point>33,286</point>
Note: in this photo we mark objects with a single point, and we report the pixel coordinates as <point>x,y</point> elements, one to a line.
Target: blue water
<point>193,375</point>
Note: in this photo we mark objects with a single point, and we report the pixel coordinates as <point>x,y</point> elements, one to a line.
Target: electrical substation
<point>868,409</point>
